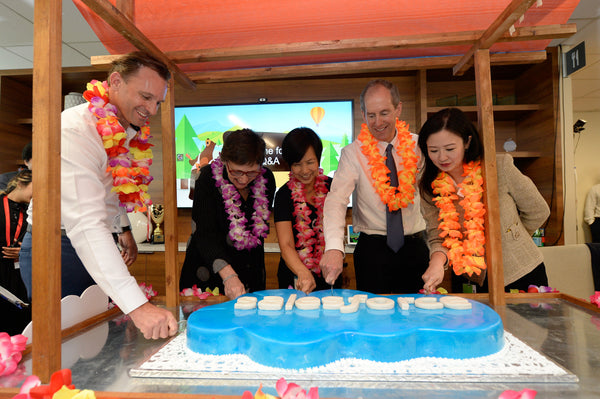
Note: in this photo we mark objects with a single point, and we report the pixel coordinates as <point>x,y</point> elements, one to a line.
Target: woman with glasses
<point>299,213</point>
<point>232,204</point>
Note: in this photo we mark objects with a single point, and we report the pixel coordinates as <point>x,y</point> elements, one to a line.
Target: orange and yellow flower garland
<point>129,167</point>
<point>394,197</point>
<point>466,249</point>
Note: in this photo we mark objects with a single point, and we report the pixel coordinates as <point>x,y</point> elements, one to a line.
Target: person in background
<point>591,212</point>
<point>26,156</point>
<point>299,213</point>
<point>381,168</point>
<point>15,199</point>
<point>233,199</point>
<point>451,191</point>
<point>105,155</point>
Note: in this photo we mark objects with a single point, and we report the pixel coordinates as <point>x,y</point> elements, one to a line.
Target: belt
<point>420,235</point>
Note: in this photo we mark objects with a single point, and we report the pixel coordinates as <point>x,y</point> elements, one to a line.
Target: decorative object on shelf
<point>449,101</point>
<point>468,100</point>
<point>507,100</point>
<point>141,226</point>
<point>73,98</point>
<point>509,145</point>
<point>157,212</point>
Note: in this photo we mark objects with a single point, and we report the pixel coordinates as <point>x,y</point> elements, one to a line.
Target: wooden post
<point>170,197</point>
<point>420,100</point>
<point>47,100</point>
<point>493,239</point>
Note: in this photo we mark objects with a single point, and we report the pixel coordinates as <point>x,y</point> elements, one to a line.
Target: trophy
<point>157,212</point>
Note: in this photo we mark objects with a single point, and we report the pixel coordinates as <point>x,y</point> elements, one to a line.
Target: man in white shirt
<point>92,214</point>
<point>381,266</point>
<point>591,212</point>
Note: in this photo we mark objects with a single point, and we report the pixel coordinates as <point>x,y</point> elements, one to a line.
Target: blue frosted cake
<point>354,325</point>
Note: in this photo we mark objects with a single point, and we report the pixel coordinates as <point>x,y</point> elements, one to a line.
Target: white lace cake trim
<point>516,362</point>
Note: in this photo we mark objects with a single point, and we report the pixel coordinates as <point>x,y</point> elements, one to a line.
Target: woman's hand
<point>434,275</point>
<point>11,252</point>
<point>233,286</point>
<point>306,281</point>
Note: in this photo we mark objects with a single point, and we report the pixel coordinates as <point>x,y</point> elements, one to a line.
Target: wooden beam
<point>116,19</point>
<point>351,45</point>
<point>499,27</point>
<point>341,68</point>
<point>170,197</point>
<point>127,7</point>
<point>46,265</point>
<point>493,237</point>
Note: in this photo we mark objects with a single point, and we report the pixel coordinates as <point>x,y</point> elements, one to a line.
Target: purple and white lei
<point>242,238</point>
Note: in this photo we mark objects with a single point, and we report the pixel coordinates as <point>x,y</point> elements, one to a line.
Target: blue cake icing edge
<point>308,338</point>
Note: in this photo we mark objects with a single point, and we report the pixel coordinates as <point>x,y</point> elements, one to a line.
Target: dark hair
<point>27,152</point>
<point>297,142</point>
<point>243,147</point>
<point>130,63</point>
<point>380,82</point>
<point>457,122</point>
<point>22,177</point>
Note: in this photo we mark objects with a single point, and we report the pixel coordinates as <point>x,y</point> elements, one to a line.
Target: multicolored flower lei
<point>394,197</point>
<point>310,238</point>
<point>129,167</point>
<point>466,249</point>
<point>242,238</point>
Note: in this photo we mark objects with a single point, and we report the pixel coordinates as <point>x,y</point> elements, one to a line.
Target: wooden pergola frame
<point>46,121</point>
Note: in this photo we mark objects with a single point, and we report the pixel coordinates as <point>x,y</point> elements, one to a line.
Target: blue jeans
<point>74,277</point>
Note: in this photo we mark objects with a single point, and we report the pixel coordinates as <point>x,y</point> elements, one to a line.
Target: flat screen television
<point>199,134</point>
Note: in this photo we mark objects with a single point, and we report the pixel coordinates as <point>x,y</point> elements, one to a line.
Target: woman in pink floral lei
<point>232,204</point>
<point>299,213</point>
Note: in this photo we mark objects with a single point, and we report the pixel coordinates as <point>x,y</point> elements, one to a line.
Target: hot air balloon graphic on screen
<point>317,113</point>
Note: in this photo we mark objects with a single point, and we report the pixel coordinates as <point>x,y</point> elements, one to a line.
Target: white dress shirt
<point>591,211</point>
<point>90,211</point>
<point>368,210</point>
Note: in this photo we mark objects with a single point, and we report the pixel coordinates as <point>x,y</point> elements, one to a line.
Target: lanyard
<point>7,219</point>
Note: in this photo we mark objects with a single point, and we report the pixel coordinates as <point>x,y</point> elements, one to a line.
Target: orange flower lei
<point>466,249</point>
<point>394,197</point>
<point>129,167</point>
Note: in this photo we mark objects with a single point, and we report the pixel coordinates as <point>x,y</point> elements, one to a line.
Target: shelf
<point>501,112</point>
<point>25,121</point>
<point>522,154</point>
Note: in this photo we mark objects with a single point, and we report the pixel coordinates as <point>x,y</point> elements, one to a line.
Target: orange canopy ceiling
<point>203,24</point>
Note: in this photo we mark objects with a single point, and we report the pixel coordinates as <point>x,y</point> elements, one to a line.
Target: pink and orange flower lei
<point>466,248</point>
<point>129,167</point>
<point>310,238</point>
<point>239,235</point>
<point>394,197</point>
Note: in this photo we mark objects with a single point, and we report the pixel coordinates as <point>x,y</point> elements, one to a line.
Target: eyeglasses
<point>239,173</point>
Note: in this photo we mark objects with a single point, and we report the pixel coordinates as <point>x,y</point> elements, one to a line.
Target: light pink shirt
<point>368,211</point>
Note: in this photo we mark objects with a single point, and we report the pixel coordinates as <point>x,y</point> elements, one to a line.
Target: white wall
<point>587,163</point>
<point>581,151</point>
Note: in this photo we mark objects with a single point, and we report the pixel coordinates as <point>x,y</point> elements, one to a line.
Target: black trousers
<point>381,271</point>
<point>595,228</point>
